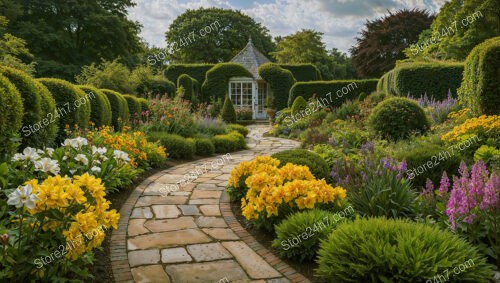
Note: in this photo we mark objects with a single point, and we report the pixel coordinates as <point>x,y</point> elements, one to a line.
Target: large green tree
<point>13,51</point>
<point>382,41</point>
<point>341,65</point>
<point>459,26</point>
<point>213,35</point>
<point>64,35</point>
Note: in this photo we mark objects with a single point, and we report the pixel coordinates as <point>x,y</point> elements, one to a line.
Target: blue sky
<point>339,20</point>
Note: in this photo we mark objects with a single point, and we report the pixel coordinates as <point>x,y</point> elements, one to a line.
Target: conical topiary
<point>299,104</point>
<point>228,113</point>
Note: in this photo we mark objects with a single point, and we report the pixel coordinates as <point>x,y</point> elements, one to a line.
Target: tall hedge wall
<point>386,83</point>
<point>190,86</point>
<point>134,106</point>
<point>340,90</point>
<point>196,71</point>
<point>433,79</point>
<point>100,108</point>
<point>50,130</point>
<point>119,109</point>
<point>73,105</point>
<point>480,89</point>
<point>303,72</point>
<point>280,81</point>
<point>11,116</point>
<point>32,101</point>
<point>217,79</point>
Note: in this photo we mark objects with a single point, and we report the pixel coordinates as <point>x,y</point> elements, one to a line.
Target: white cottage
<point>250,92</point>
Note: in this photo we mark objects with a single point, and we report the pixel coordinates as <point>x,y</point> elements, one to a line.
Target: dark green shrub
<point>397,118</point>
<point>134,106</point>
<point>188,83</point>
<point>229,142</point>
<point>204,146</point>
<point>432,79</point>
<point>381,250</point>
<point>362,96</point>
<point>386,83</point>
<point>119,109</point>
<point>299,235</point>
<point>217,79</point>
<point>196,71</point>
<point>332,93</point>
<point>481,82</point>
<point>49,131</point>
<point>318,167</point>
<point>238,128</point>
<point>155,86</point>
<point>144,104</point>
<point>280,82</point>
<point>100,108</point>
<point>176,146</point>
<point>299,104</point>
<point>32,100</point>
<point>228,113</point>
<point>346,110</point>
<point>11,117</point>
<point>303,72</point>
<point>73,105</point>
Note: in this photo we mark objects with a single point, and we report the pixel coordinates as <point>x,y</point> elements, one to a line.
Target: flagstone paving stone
<point>178,227</point>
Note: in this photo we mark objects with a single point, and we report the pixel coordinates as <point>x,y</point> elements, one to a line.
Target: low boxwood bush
<point>318,167</point>
<point>238,128</point>
<point>480,86</point>
<point>11,117</point>
<point>280,82</point>
<point>134,106</point>
<point>177,146</point>
<point>398,118</point>
<point>299,235</point>
<point>204,146</point>
<point>381,250</point>
<point>196,71</point>
<point>217,79</point>
<point>119,109</point>
<point>303,72</point>
<point>340,91</point>
<point>229,142</point>
<point>299,104</point>
<point>228,114</point>
<point>100,108</point>
<point>32,101</point>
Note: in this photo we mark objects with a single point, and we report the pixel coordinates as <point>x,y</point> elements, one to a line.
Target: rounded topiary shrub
<point>49,130</point>
<point>239,128</point>
<point>228,113</point>
<point>11,117</point>
<point>73,105</point>
<point>229,142</point>
<point>299,104</point>
<point>31,131</point>
<point>317,165</point>
<point>381,250</point>
<point>119,109</point>
<point>134,106</point>
<point>480,86</point>
<point>177,146</point>
<point>398,118</point>
<point>100,108</point>
<point>204,146</point>
<point>299,235</point>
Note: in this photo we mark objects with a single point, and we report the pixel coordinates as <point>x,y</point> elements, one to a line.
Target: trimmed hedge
<point>134,105</point>
<point>303,72</point>
<point>100,107</point>
<point>144,104</point>
<point>480,88</point>
<point>73,105</point>
<point>32,101</point>
<point>433,79</point>
<point>229,142</point>
<point>177,146</point>
<point>217,79</point>
<point>204,146</point>
<point>196,71</point>
<point>340,90</point>
<point>189,84</point>
<point>119,109</point>
<point>11,116</point>
<point>317,165</point>
<point>50,127</point>
<point>280,81</point>
<point>156,86</point>
<point>239,128</point>
<point>386,83</point>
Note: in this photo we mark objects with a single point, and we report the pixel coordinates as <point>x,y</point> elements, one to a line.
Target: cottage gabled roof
<point>251,59</point>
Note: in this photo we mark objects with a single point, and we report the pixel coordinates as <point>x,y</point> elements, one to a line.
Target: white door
<point>260,100</point>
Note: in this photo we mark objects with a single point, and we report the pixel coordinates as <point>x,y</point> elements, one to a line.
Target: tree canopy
<point>382,41</point>
<point>13,51</point>
<point>214,35</point>
<point>64,35</point>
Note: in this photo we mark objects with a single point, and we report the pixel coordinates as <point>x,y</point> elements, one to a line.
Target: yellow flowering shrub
<point>482,126</point>
<point>270,193</point>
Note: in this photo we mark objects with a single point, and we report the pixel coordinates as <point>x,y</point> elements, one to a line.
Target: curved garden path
<point>187,233</point>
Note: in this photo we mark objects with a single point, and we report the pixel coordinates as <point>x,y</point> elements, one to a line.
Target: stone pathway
<point>187,233</point>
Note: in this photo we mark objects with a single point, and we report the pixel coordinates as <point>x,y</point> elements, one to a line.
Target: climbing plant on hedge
<point>480,89</point>
<point>73,105</point>
<point>228,113</point>
<point>303,72</point>
<point>11,116</point>
<point>335,92</point>
<point>189,84</point>
<point>32,100</point>
<point>433,79</point>
<point>196,71</point>
<point>119,108</point>
<point>280,81</point>
<point>100,108</point>
<point>134,105</point>
<point>217,79</point>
